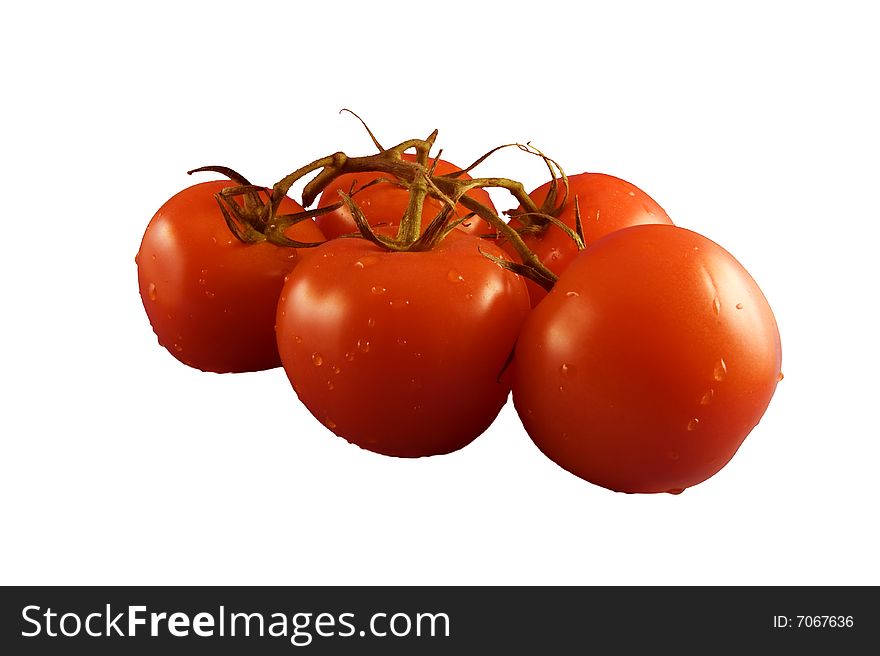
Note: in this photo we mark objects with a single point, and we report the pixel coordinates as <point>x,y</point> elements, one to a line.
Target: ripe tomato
<point>401,353</point>
<point>606,204</point>
<point>649,362</point>
<point>384,203</point>
<point>210,298</point>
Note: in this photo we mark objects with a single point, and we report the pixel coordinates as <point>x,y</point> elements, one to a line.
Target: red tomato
<point>210,298</point>
<point>384,203</point>
<point>606,204</point>
<point>401,353</point>
<point>648,363</point>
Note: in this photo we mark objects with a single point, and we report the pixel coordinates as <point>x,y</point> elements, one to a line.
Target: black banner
<point>436,620</point>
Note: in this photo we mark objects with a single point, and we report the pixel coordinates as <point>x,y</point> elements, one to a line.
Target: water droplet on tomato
<point>716,306</point>
<point>555,254</point>
<point>707,397</point>
<point>401,341</point>
<point>336,370</point>
<point>153,257</point>
<point>561,388</point>
<point>349,356</point>
<point>468,296</point>
<point>371,322</point>
<point>398,304</point>
<point>178,348</point>
<point>693,424</point>
<point>720,370</point>
<point>675,490</point>
<point>329,423</point>
<point>363,345</point>
<point>378,289</point>
<point>359,265</point>
<point>151,291</point>
<point>209,294</point>
<point>780,377</point>
<point>564,369</point>
<point>330,385</point>
<point>317,359</point>
<point>631,193</point>
<point>454,276</point>
<point>367,260</point>
<point>202,281</point>
<point>213,240</point>
<point>572,294</point>
<point>739,306</point>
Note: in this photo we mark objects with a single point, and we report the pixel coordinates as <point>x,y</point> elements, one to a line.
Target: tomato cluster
<point>404,310</point>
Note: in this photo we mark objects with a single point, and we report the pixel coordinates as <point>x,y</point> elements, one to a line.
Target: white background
<point>755,125</point>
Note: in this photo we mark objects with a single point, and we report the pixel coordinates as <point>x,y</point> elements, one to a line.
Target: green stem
<point>418,176</point>
<point>535,268</point>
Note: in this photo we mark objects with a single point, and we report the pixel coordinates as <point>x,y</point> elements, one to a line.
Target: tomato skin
<point>649,362</point>
<point>210,298</point>
<point>384,203</point>
<point>400,353</point>
<point>606,204</point>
